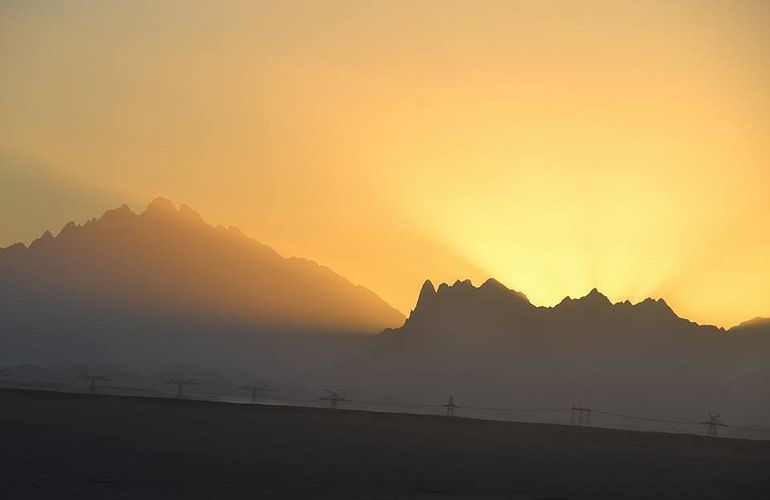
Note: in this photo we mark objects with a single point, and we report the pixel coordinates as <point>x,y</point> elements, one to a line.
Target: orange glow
<point>557,146</point>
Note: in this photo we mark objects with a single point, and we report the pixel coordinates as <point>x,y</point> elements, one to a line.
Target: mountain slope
<point>490,346</point>
<point>125,275</point>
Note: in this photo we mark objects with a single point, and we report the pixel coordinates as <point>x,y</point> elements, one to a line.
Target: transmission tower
<point>450,406</point>
<point>580,415</point>
<point>181,384</point>
<point>334,398</point>
<point>254,389</point>
<point>713,424</point>
<point>93,379</point>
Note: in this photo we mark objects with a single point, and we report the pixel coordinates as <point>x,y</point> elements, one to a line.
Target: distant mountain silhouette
<point>489,345</point>
<point>163,288</point>
<point>129,285</point>
<point>753,324</point>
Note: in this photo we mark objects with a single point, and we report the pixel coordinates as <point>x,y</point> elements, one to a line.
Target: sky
<point>557,146</point>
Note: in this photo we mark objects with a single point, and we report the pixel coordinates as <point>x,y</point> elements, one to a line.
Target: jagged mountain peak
<point>427,291</point>
<point>594,298</point>
<point>493,283</point>
<point>188,213</point>
<point>649,301</point>
<point>466,284</point>
<point>463,302</point>
<point>168,260</point>
<point>655,306</point>
<point>116,215</point>
<point>42,241</point>
<point>493,287</point>
<point>163,209</point>
<point>466,288</point>
<point>160,206</point>
<point>464,299</point>
<point>68,229</point>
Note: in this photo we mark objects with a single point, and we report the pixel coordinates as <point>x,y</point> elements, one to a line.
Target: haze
<point>557,146</point>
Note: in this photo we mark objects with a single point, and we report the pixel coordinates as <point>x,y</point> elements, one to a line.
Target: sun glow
<point>555,146</point>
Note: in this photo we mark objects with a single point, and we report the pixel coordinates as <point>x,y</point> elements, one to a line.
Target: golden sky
<point>555,145</point>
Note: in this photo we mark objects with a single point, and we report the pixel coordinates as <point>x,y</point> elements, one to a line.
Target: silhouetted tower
<point>580,416</point>
<point>334,398</point>
<point>93,379</point>
<point>450,406</point>
<point>181,384</point>
<point>254,389</point>
<point>713,424</point>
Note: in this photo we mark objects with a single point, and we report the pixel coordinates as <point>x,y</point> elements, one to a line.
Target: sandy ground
<point>57,445</point>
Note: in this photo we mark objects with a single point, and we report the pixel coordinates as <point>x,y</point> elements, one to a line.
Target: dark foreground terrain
<point>56,445</point>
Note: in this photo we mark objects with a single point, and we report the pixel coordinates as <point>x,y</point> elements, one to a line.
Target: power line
<point>536,410</point>
<point>579,415</point>
<point>93,379</point>
<point>646,419</point>
<point>181,384</point>
<point>254,390</point>
<point>333,397</point>
<point>450,407</point>
<point>713,424</point>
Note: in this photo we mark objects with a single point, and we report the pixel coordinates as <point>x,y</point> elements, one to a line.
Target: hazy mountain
<point>163,286</point>
<point>753,324</point>
<point>489,345</point>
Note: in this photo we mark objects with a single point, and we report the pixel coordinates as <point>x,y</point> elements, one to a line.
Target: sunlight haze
<point>555,146</point>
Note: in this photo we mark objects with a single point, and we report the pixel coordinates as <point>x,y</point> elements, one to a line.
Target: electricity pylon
<point>181,384</point>
<point>580,415</point>
<point>255,389</point>
<point>713,424</point>
<point>334,398</point>
<point>450,406</point>
<point>93,379</point>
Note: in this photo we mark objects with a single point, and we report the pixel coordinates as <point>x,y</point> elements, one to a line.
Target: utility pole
<point>580,416</point>
<point>713,424</point>
<point>450,407</point>
<point>334,398</point>
<point>254,389</point>
<point>181,384</point>
<point>93,379</point>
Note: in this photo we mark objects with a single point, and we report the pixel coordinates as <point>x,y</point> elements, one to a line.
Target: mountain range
<point>164,285</point>
<point>489,346</point>
<point>162,288</point>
